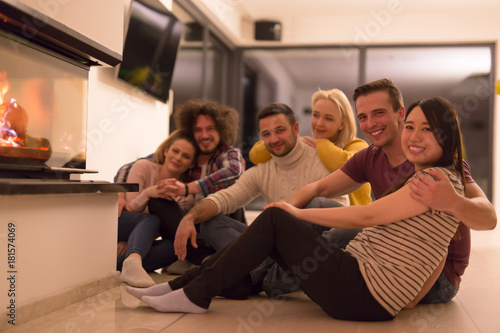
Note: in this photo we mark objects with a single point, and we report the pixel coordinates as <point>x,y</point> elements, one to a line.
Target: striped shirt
<point>396,259</point>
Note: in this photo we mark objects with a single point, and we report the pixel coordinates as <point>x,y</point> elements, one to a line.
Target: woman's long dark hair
<point>443,121</point>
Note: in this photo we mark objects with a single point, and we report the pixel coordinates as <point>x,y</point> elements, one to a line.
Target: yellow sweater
<point>332,158</point>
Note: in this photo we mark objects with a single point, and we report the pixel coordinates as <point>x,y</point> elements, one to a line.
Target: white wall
<point>123,123</point>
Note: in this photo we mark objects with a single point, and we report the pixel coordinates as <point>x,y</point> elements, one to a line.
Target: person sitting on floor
<point>380,111</point>
<point>138,252</point>
<point>214,128</point>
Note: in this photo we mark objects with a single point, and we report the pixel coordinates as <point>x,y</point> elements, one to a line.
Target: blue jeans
<point>140,231</point>
<point>220,230</point>
<point>341,237</point>
<point>442,291</point>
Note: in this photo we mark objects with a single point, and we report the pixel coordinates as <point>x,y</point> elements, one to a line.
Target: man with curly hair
<point>218,164</point>
<point>214,127</point>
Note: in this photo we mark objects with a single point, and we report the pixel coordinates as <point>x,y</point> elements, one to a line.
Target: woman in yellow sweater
<point>334,136</point>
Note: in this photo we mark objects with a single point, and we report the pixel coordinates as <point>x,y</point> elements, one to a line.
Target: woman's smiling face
<point>326,121</point>
<point>418,141</point>
<point>179,156</point>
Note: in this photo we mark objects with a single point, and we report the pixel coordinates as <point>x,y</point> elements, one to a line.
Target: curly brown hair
<point>225,117</point>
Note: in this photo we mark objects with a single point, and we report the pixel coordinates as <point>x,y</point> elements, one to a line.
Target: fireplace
<point>44,81</point>
<point>43,110</point>
<point>43,94</point>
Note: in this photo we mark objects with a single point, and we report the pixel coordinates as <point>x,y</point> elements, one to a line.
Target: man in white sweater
<point>292,166</point>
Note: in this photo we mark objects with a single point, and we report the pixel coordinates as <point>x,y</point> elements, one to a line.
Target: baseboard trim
<point>48,304</point>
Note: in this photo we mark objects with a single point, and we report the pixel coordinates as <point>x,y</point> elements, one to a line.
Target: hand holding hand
<point>168,188</point>
<point>152,192</point>
<point>185,230</point>
<point>177,187</point>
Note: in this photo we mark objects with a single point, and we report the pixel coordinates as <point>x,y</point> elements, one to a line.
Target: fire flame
<point>8,136</point>
<point>13,121</point>
<point>4,85</point>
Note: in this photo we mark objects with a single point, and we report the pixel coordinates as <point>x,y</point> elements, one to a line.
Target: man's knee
<point>341,237</point>
<point>320,202</point>
<point>221,225</point>
<point>209,225</point>
<point>216,222</point>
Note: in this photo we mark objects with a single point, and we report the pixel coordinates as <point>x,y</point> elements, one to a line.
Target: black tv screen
<point>150,48</point>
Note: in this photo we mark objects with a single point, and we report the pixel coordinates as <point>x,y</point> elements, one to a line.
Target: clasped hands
<point>166,189</point>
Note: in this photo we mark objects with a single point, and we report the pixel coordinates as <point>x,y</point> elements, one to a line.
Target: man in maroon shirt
<point>380,111</point>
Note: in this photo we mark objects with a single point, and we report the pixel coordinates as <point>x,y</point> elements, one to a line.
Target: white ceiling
<point>282,10</point>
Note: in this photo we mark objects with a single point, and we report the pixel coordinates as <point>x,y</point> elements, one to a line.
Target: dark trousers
<point>328,275</point>
<point>170,215</point>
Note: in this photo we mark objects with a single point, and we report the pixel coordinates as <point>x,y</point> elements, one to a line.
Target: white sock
<point>134,274</point>
<point>157,290</point>
<point>175,301</point>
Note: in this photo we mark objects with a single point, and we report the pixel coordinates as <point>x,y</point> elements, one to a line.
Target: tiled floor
<point>475,309</point>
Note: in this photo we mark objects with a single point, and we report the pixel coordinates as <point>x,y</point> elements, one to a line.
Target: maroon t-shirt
<point>371,165</point>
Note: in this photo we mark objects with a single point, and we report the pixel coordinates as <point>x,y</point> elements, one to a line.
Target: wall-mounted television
<point>150,48</point>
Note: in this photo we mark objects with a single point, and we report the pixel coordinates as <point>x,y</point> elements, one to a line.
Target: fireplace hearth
<point>43,94</point>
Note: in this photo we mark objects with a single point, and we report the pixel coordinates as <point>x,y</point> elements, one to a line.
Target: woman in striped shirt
<point>388,266</point>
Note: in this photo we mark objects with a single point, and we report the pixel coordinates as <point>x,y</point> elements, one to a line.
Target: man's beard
<point>207,152</point>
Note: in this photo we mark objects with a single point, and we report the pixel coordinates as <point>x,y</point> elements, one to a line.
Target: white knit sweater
<point>277,179</point>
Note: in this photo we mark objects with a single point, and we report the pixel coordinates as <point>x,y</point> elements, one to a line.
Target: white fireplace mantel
<point>62,250</point>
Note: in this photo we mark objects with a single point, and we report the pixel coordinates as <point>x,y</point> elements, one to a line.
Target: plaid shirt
<point>224,167</point>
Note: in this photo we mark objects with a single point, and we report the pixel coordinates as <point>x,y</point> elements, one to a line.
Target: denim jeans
<point>341,237</point>
<point>442,291</point>
<point>220,230</point>
<point>140,231</point>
